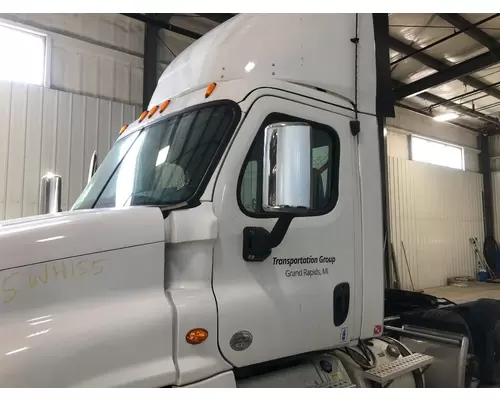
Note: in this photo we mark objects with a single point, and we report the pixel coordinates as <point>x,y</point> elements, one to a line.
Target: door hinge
<point>355,127</point>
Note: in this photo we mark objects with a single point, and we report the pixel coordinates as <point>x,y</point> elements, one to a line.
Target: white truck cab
<point>232,235</point>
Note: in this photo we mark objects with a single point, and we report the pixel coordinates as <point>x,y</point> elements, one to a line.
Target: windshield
<point>163,164</point>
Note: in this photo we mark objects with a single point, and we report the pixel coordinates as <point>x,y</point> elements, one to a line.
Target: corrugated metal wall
<point>98,55</point>
<point>44,130</point>
<point>494,143</point>
<point>423,125</point>
<point>409,123</point>
<point>95,75</point>
<point>434,211</point>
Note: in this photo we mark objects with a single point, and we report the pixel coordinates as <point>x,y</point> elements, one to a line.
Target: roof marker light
<point>210,89</point>
<point>153,110</point>
<point>143,115</point>
<point>164,105</point>
<point>124,128</point>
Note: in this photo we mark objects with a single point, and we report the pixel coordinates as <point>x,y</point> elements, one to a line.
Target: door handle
<point>341,300</point>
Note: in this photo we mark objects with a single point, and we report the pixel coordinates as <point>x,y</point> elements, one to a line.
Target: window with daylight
<point>438,153</point>
<point>26,60</point>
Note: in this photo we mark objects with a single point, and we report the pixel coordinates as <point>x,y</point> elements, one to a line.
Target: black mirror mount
<point>258,242</point>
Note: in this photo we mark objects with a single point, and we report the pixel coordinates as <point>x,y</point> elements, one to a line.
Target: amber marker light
<point>210,89</point>
<point>196,336</point>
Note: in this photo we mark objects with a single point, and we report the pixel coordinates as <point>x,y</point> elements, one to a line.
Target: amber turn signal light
<point>196,336</point>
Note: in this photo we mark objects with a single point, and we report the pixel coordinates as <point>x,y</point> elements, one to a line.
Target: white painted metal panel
<point>433,211</point>
<point>97,55</point>
<point>44,130</point>
<point>422,125</point>
<point>33,154</point>
<point>114,30</point>
<point>15,165</point>
<point>495,152</point>
<point>78,129</point>
<point>397,145</point>
<point>63,142</point>
<point>407,123</point>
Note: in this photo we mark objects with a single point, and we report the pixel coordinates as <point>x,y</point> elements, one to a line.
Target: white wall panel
<point>95,71</point>
<point>33,153</point>
<point>97,55</point>
<point>397,144</point>
<point>422,125</point>
<point>494,143</point>
<point>434,211</point>
<point>110,30</point>
<point>44,130</point>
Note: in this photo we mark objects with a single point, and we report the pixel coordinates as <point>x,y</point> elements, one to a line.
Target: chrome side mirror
<point>287,168</point>
<point>286,185</point>
<point>50,194</point>
<point>93,166</point>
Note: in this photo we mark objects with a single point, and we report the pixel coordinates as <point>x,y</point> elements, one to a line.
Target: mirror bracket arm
<point>258,242</point>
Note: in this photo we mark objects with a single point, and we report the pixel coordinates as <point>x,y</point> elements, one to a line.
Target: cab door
<point>302,297</point>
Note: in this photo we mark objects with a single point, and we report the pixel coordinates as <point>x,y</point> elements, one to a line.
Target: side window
<point>325,164</point>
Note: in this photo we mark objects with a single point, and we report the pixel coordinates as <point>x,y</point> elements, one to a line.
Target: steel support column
<point>148,19</point>
<point>484,159</point>
<point>384,108</point>
<point>150,63</point>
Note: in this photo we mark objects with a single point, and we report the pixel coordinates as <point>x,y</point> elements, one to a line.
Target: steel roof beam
<point>474,32</point>
<point>460,109</point>
<point>164,25</point>
<point>219,18</point>
<point>432,98</point>
<point>438,65</point>
<point>444,39</point>
<point>449,74</point>
<point>425,59</point>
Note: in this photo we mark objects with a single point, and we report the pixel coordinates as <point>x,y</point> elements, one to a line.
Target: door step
<point>388,372</point>
<point>335,382</point>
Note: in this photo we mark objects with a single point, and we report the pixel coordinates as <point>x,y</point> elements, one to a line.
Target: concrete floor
<point>472,292</point>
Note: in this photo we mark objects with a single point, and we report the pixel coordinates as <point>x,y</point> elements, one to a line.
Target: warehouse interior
<point>86,75</point>
<point>202,291</point>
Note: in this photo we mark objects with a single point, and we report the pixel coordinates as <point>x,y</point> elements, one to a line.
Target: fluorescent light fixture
<point>16,351</point>
<point>50,239</point>
<point>445,117</point>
